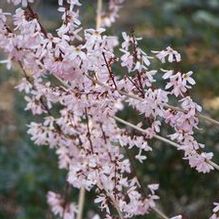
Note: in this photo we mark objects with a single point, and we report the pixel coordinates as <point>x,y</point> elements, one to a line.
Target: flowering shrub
<point>70,80</point>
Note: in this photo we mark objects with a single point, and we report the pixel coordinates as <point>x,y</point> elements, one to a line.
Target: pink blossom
<point>59,207</point>
<point>172,55</point>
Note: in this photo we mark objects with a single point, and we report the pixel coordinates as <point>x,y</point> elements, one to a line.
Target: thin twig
<point>136,60</point>
<point>99,13</point>
<point>35,16</point>
<point>88,131</point>
<point>136,86</point>
<point>109,70</point>
<point>208,119</point>
<point>81,203</point>
<point>160,213</point>
<point>158,137</point>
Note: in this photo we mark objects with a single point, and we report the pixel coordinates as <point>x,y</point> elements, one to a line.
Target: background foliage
<point>27,172</point>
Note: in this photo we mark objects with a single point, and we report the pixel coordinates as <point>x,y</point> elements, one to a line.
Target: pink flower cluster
<point>109,16</point>
<point>86,94</point>
<point>60,207</point>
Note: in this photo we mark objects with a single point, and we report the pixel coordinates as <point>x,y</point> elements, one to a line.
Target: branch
<point>158,137</point>
<point>160,213</point>
<point>88,131</point>
<point>109,70</point>
<point>81,203</point>
<point>99,13</point>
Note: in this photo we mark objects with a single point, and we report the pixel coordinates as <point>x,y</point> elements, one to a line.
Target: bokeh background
<point>27,172</point>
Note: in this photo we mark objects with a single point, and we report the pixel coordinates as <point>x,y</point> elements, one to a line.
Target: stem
<point>109,70</point>
<point>158,137</point>
<point>134,45</point>
<point>99,11</point>
<point>88,131</point>
<point>209,119</point>
<point>213,164</point>
<point>161,214</point>
<point>34,15</point>
<point>81,203</point>
<point>136,86</point>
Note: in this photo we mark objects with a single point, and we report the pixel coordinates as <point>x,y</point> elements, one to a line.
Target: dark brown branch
<point>88,131</point>
<point>34,15</point>
<point>136,60</point>
<point>109,70</point>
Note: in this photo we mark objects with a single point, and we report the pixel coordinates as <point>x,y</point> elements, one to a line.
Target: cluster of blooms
<point>86,94</point>
<point>154,101</point>
<point>60,207</point>
<point>110,16</point>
